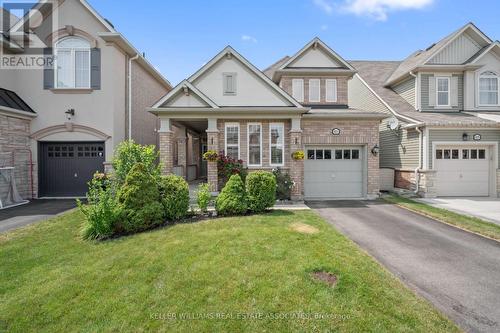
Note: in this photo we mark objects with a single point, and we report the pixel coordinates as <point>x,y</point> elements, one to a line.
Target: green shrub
<point>128,154</point>
<point>284,185</point>
<point>203,197</point>
<point>174,196</point>
<point>102,211</point>
<point>140,200</point>
<point>261,191</point>
<point>232,200</point>
<point>227,166</point>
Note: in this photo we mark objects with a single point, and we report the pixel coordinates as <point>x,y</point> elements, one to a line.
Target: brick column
<point>166,158</point>
<point>297,166</point>
<point>182,155</point>
<point>212,175</point>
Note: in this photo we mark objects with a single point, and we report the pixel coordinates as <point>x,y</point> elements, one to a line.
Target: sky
<point>180,36</point>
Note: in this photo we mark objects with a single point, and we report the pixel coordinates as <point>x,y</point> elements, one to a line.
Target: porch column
<point>212,144</point>
<point>182,155</point>
<point>165,139</point>
<point>297,166</point>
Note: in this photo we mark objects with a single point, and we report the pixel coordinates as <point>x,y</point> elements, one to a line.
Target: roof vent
<point>430,47</point>
<point>111,24</point>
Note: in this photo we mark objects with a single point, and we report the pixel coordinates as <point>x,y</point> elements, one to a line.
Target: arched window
<point>72,63</point>
<point>488,88</point>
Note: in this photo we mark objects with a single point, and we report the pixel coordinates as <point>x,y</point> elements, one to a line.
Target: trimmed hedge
<point>174,196</point>
<point>232,199</point>
<point>140,202</point>
<point>261,191</point>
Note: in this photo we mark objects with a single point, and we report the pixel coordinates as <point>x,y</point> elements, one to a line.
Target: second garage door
<point>333,172</point>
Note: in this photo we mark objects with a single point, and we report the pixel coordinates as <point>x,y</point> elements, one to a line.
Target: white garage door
<point>462,171</point>
<point>333,172</point>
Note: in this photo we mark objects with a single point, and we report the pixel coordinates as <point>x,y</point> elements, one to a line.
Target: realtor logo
<point>21,46</point>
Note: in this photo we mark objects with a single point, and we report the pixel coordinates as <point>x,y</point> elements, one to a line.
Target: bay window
<point>276,144</point>
<point>72,63</point>
<point>232,140</point>
<point>488,89</point>
<point>254,144</point>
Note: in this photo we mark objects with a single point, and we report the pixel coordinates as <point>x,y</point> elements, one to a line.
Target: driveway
<point>33,212</point>
<point>485,208</point>
<point>455,270</point>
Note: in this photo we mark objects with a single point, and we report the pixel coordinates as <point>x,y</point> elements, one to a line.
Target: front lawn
<point>470,223</point>
<point>233,274</point>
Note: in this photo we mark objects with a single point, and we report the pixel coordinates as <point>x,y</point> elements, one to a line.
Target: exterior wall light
<point>465,137</point>
<point>70,113</point>
<point>375,150</point>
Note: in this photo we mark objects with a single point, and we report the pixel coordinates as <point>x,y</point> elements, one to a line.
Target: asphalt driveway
<point>457,271</point>
<point>33,212</point>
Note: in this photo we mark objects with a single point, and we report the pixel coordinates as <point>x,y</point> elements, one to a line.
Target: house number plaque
<point>336,131</point>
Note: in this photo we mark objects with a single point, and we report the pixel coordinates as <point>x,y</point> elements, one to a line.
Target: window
<point>447,154</point>
<point>439,154</point>
<point>331,90</point>
<point>482,154</point>
<point>310,154</point>
<point>488,89</point>
<point>276,146</point>
<point>347,154</point>
<point>72,63</point>
<point>338,154</point>
<point>443,91</point>
<point>319,154</point>
<point>314,88</point>
<point>454,154</point>
<point>473,154</point>
<point>254,144</point>
<point>465,154</point>
<point>355,154</point>
<point>232,139</point>
<point>328,155</point>
<point>229,83</point>
<point>298,89</point>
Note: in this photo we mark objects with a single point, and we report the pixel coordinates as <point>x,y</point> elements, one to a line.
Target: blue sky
<point>180,36</point>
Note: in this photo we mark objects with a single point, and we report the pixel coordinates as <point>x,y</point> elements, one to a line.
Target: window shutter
<point>454,90</point>
<point>95,69</point>
<point>48,70</point>
<point>432,91</point>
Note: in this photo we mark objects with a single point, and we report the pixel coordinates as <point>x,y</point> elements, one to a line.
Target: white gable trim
<point>229,51</point>
<point>328,50</point>
<point>178,88</point>
<point>488,50</point>
<point>458,33</point>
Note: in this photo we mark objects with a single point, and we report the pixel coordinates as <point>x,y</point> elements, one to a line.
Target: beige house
<point>75,111</point>
<point>301,103</point>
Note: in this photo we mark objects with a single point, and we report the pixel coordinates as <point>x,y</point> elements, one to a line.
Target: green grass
<point>52,281</point>
<point>473,224</point>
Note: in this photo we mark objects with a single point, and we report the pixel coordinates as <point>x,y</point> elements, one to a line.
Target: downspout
<point>130,95</point>
<point>416,89</point>
<point>420,150</point>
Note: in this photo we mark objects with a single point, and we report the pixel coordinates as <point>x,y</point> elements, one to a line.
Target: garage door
<point>333,172</point>
<point>462,171</point>
<point>67,167</point>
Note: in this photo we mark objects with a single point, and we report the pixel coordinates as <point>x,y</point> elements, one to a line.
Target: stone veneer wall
<point>15,151</point>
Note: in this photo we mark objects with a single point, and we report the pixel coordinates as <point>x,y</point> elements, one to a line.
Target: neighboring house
<point>443,138</point>
<point>301,103</point>
<point>61,123</point>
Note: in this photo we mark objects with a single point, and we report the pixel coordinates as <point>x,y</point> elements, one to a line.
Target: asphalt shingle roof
<point>11,100</point>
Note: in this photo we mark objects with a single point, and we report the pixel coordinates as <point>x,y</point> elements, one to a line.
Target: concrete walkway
<point>33,212</point>
<point>455,270</point>
<point>485,208</point>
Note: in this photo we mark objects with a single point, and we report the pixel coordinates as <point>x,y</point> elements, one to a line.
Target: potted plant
<point>298,155</point>
<point>210,156</point>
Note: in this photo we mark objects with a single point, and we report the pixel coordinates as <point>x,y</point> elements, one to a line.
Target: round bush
<point>261,191</point>
<point>140,201</point>
<point>174,196</point>
<point>231,200</point>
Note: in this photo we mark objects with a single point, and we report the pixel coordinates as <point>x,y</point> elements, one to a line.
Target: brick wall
<point>15,145</point>
<point>404,179</point>
<point>286,84</point>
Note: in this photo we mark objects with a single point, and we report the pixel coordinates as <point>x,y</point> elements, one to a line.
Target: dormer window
<point>229,83</point>
<point>72,63</point>
<point>488,89</point>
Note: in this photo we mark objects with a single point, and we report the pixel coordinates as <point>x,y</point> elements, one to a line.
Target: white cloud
<point>379,9</point>
<point>247,38</point>
<point>324,5</point>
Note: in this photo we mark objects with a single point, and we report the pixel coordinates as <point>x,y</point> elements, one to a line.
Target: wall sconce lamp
<point>70,113</point>
<point>375,150</point>
<point>465,137</point>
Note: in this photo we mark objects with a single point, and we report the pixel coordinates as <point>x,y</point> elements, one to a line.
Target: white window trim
<point>301,83</point>
<point>335,90</point>
<point>248,145</point>
<point>319,90</point>
<point>224,76</point>
<point>479,91</point>
<point>225,138</point>
<point>282,145</point>
<point>447,78</point>
<point>73,65</point>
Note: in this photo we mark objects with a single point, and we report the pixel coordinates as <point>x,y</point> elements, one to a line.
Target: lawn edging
<point>463,222</point>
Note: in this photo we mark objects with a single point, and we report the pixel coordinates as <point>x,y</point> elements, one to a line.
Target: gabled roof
<point>421,57</point>
<point>316,42</point>
<point>183,86</point>
<point>228,50</point>
<point>484,51</point>
<point>11,100</point>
